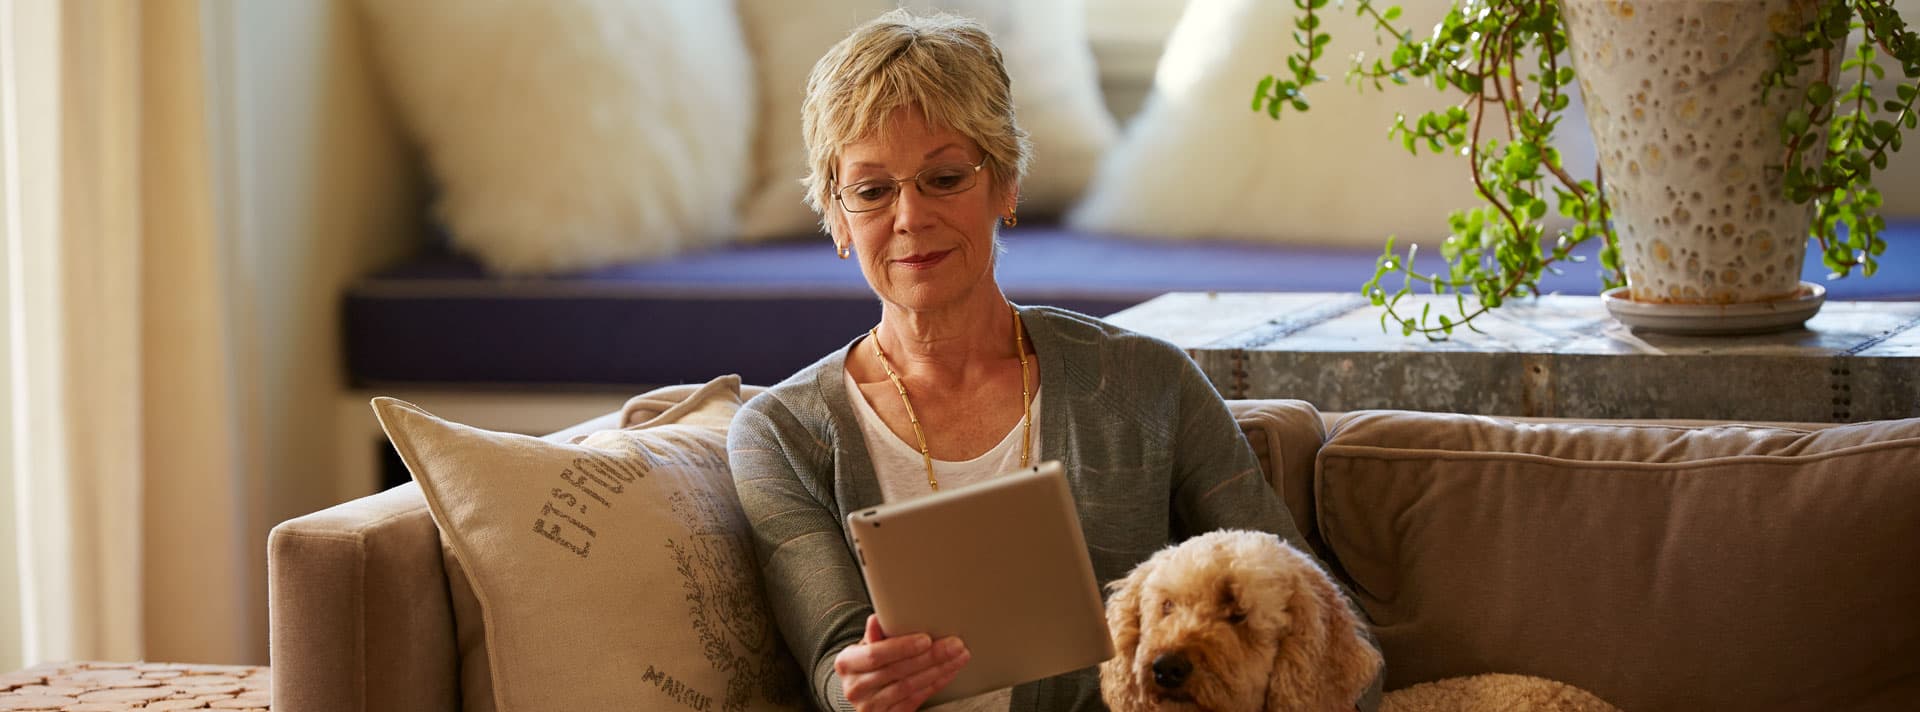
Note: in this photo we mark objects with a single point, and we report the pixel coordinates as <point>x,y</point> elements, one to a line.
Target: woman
<point>915,160</point>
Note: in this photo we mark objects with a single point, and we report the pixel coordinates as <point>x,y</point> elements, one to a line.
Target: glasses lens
<point>947,180</point>
<point>872,195</point>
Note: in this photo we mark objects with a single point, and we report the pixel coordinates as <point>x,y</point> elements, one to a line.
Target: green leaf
<point>1819,93</point>
<point>1260,93</point>
<point>1392,13</point>
<point>1796,122</point>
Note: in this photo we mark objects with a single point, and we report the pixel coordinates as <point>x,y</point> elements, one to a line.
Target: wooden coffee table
<point>113,687</point>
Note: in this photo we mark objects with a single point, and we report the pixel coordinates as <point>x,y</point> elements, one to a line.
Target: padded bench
<point>765,310</point>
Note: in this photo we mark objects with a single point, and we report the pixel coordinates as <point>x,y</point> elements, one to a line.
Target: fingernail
<point>952,646</point>
<point>921,643</point>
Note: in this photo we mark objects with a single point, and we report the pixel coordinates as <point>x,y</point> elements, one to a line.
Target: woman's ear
<point>1117,686</point>
<point>1325,664</point>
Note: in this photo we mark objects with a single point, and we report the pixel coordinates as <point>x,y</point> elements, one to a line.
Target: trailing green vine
<point>1837,175</point>
<point>1505,58</point>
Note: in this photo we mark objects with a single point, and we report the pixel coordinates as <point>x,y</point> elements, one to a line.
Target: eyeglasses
<point>934,182</point>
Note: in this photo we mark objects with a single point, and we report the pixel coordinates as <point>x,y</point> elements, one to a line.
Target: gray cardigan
<point>1152,455</point>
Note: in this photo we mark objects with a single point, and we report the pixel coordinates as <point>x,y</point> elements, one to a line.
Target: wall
<point>1900,182</point>
<point>316,187</point>
<point>10,658</point>
<point>29,37</point>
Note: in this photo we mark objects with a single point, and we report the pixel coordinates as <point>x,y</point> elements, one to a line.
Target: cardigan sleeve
<point>783,474</point>
<point>1218,483</point>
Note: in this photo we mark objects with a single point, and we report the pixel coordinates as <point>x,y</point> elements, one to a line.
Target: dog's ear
<point>1117,686</point>
<point>1323,663</point>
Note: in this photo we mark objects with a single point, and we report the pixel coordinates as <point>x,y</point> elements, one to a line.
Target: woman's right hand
<point>886,674</point>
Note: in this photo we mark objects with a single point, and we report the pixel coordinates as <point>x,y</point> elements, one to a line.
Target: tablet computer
<point>1002,564</point>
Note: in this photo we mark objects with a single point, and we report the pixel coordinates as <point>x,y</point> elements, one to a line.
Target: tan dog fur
<point>1493,693</point>
<point>1263,628</point>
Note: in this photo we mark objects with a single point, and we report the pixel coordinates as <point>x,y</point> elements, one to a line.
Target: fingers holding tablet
<point>882,673</point>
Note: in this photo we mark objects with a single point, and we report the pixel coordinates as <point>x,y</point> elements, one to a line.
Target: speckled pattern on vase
<point>1672,90</point>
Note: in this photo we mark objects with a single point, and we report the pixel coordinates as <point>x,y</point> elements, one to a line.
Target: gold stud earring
<point>842,250</point>
<point>1010,220</point>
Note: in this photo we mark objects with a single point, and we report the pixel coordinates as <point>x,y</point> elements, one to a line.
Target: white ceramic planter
<point>1672,90</point>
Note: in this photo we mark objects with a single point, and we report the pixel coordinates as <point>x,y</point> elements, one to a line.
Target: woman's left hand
<point>889,674</point>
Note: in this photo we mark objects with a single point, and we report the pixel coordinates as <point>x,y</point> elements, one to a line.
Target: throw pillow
<point>612,573</point>
<point>1055,91</point>
<point>1197,162</point>
<point>566,134</point>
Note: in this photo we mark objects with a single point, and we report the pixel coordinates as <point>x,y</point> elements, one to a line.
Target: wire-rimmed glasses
<point>933,182</point>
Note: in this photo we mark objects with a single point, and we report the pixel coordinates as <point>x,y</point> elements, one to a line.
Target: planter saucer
<point>1716,319</point>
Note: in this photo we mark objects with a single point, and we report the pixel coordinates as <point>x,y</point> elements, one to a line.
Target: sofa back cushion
<point>1662,567</point>
<point>1285,435</point>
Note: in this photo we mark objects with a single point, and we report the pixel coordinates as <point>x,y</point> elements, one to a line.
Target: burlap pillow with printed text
<point>614,573</point>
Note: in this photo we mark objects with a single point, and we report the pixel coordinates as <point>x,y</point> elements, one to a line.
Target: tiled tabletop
<point>114,687</point>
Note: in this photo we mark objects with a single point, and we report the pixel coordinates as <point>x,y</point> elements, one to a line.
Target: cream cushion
<point>565,134</point>
<point>1056,96</point>
<point>1574,552</point>
<point>612,573</point>
<point>1198,162</point>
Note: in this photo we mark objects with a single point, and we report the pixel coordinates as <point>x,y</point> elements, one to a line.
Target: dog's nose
<point>1171,670</point>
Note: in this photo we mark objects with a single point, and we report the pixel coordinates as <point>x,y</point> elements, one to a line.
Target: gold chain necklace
<point>1026,400</point>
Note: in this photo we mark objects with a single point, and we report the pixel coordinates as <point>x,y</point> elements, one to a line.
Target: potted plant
<point>1726,132</point>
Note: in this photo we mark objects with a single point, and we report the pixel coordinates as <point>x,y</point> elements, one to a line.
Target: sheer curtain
<point>129,505</point>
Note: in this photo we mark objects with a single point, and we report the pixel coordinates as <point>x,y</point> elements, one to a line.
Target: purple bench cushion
<point>764,311</point>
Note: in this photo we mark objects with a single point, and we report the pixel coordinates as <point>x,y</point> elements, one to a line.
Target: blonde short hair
<point>946,66</point>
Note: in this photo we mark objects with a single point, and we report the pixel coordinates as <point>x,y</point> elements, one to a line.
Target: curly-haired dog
<point>1237,621</point>
<point>1229,621</point>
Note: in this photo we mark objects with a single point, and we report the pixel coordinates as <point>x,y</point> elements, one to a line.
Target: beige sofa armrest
<point>359,609</point>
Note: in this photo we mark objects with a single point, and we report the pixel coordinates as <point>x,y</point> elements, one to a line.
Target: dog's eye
<point>1237,618</point>
<point>1166,606</point>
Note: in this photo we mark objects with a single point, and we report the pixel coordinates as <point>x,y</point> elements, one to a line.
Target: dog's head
<point>1232,621</point>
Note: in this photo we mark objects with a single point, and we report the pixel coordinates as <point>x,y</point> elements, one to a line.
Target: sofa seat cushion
<point>1661,567</point>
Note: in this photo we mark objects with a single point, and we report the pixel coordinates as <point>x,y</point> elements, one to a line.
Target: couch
<point>1663,566</point>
